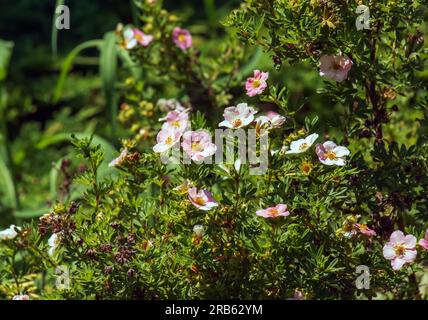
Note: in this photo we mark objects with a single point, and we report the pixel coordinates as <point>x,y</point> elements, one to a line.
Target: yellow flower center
<point>306,167</point>
<point>197,146</point>
<point>348,227</point>
<point>237,123</point>
<point>199,200</point>
<point>182,38</point>
<point>273,212</point>
<point>256,83</point>
<point>331,155</point>
<point>168,140</point>
<point>303,146</point>
<point>138,37</point>
<point>175,124</point>
<point>399,249</point>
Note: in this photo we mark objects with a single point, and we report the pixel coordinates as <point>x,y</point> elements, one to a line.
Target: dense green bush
<point>339,199</point>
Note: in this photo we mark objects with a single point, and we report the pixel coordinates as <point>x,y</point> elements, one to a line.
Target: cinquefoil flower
<point>166,139</point>
<point>335,67</point>
<point>256,84</point>
<point>182,38</point>
<point>9,233</point>
<point>280,210</point>
<point>302,145</point>
<point>238,117</point>
<point>202,199</point>
<point>198,145</point>
<point>331,154</point>
<point>400,249</point>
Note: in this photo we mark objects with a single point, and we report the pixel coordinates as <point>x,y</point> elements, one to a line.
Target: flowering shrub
<point>338,191</point>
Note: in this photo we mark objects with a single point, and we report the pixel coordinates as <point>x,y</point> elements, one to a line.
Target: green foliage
<point>128,231</point>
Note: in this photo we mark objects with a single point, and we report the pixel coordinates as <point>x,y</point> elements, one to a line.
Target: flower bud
<point>199,231</point>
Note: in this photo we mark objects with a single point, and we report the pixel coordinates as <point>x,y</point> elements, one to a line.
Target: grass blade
<point>108,69</point>
<point>7,187</point>
<point>68,63</point>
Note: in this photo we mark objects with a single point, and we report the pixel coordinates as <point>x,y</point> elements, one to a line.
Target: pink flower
<point>237,117</point>
<point>176,120</point>
<point>335,67</point>
<point>424,242</point>
<point>400,249</point>
<point>276,120</point>
<point>272,120</point>
<point>331,154</point>
<point>21,297</point>
<point>364,229</point>
<point>166,139</point>
<point>202,199</point>
<point>273,212</point>
<point>142,38</point>
<point>119,160</point>
<point>256,84</point>
<point>198,145</point>
<point>132,37</point>
<point>182,38</point>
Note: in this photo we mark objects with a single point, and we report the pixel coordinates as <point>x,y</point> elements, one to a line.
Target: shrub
<point>342,186</point>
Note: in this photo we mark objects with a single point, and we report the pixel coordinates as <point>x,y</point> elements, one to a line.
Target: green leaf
<point>104,170</point>
<point>5,54</point>
<point>128,63</point>
<point>68,62</point>
<point>31,213</point>
<point>108,68</point>
<point>7,187</point>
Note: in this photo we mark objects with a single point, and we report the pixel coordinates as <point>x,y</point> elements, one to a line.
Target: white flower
<point>400,249</point>
<point>331,154</point>
<point>199,230</point>
<point>118,161</point>
<point>166,139</point>
<point>53,243</point>
<point>176,120</point>
<point>302,145</point>
<point>170,105</point>
<point>21,297</point>
<point>129,37</point>
<point>9,233</point>
<point>238,117</point>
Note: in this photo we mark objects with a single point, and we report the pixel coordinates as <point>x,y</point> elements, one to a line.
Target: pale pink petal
<point>341,151</point>
<point>423,243</point>
<point>397,237</point>
<point>409,255</point>
<point>388,251</point>
<point>397,263</point>
<point>410,241</point>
